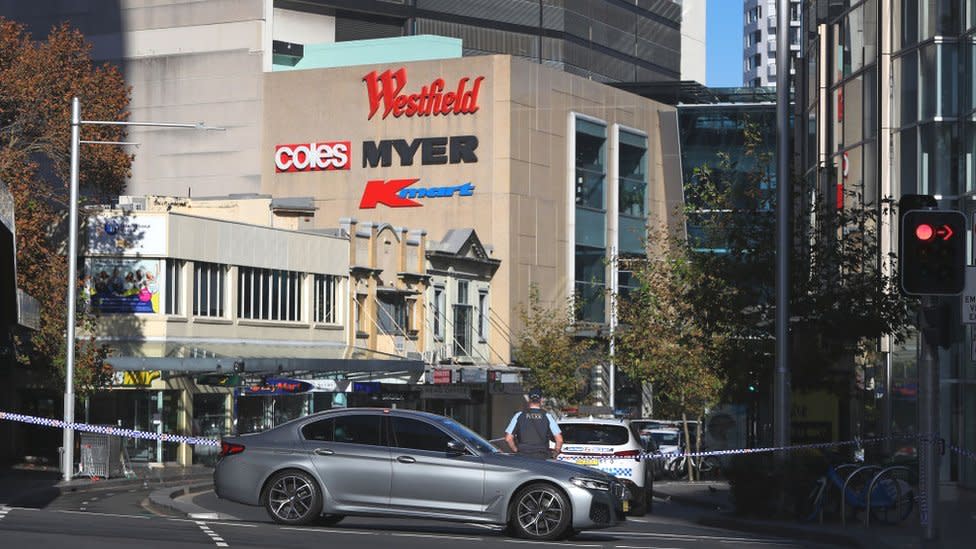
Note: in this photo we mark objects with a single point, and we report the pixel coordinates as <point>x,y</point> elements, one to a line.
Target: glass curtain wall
<point>591,220</point>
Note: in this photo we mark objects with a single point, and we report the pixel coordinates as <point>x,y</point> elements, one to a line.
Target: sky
<point>723,43</point>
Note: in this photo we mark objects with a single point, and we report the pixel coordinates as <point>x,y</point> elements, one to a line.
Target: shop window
<point>208,289</point>
<point>269,294</point>
<point>174,287</point>
<point>418,435</point>
<point>326,299</point>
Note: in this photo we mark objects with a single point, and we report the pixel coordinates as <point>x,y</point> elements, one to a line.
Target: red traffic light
<point>924,231</point>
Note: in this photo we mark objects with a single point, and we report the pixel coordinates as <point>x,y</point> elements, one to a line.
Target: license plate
<point>626,506</point>
<point>588,462</point>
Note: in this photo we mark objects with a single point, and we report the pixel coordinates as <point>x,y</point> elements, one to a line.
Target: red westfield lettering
<point>432,100</point>
<point>383,192</point>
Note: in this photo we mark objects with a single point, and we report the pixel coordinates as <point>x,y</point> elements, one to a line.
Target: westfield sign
<point>385,90</point>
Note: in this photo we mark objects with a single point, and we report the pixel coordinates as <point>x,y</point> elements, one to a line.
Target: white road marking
<point>329,531</point>
<point>436,536</point>
<point>217,523</point>
<point>102,514</point>
<point>3,511</point>
<point>694,537</point>
<point>559,543</point>
<point>214,537</point>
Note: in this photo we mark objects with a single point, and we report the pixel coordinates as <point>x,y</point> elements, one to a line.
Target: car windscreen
<point>586,433</point>
<point>468,436</point>
<point>665,438</point>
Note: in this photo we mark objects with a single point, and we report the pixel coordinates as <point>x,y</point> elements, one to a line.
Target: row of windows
<point>262,294</point>
<point>591,209</point>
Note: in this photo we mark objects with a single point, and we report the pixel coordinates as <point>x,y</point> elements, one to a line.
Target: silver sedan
<point>362,461</point>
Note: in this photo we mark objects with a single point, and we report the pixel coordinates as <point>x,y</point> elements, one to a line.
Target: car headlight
<point>591,483</point>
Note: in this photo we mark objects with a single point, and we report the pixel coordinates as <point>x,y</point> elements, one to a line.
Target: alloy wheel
<point>291,498</point>
<point>539,512</point>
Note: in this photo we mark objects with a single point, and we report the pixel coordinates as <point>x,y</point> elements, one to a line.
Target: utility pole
<point>781,375</point>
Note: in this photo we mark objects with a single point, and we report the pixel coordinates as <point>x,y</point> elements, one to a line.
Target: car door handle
<point>406,459</point>
<point>323,452</point>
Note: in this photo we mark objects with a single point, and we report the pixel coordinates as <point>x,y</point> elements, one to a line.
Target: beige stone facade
<point>521,195</point>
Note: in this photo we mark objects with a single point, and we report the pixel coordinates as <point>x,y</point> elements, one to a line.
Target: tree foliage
<point>557,361</point>
<point>841,300</point>
<point>37,82</point>
<point>667,335</point>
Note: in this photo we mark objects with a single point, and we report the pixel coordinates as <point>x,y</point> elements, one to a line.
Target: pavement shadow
<point>27,487</point>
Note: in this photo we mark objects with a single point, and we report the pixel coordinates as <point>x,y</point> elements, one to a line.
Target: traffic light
<point>933,252</point>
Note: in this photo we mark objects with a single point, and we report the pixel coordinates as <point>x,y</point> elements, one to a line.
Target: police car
<point>611,446</point>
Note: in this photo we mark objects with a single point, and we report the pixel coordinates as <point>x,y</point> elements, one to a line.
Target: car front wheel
<point>293,497</point>
<point>540,512</point>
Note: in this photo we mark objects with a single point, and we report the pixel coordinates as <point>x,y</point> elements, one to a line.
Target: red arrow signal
<point>944,231</point>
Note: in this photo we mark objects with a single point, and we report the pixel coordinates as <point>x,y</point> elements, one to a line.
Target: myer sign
<point>969,297</point>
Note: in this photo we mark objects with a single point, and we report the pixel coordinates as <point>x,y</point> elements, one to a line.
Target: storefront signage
<point>397,193</point>
<point>122,234</point>
<point>220,380</point>
<point>433,151</point>
<point>447,392</point>
<point>135,378</point>
<point>386,89</point>
<point>312,157</point>
<point>324,385</point>
<point>441,377</point>
<point>278,386</point>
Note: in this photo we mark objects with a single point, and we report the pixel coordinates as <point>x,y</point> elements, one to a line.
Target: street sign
<point>969,297</point>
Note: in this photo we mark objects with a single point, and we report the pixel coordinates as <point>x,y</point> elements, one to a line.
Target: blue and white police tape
<point>734,452</point>
<point>106,430</point>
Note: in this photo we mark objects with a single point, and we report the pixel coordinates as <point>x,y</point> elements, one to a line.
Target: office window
<point>208,289</point>
<point>482,315</point>
<point>632,192</point>
<point>591,218</point>
<point>174,287</point>
<point>269,294</point>
<point>326,299</point>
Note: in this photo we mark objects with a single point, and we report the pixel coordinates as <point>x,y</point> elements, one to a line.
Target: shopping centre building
<point>407,211</point>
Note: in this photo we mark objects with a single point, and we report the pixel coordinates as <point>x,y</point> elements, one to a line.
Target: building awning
<point>210,356</point>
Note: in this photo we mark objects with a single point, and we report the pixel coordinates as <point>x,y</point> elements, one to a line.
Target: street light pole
<point>781,375</point>
<point>69,373</point>
<point>67,457</point>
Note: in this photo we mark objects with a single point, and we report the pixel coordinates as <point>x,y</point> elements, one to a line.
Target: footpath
<point>24,485</point>
<point>957,519</point>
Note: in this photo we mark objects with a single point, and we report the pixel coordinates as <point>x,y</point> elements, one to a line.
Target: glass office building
<point>887,109</point>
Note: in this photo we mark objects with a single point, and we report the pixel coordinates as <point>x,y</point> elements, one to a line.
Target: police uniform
<point>534,428</point>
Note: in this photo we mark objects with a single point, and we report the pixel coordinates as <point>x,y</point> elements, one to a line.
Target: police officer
<point>533,428</point>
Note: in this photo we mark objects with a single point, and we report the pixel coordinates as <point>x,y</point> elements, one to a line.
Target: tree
<point>841,299</point>
<point>37,82</point>
<point>667,336</point>
<point>557,361</point>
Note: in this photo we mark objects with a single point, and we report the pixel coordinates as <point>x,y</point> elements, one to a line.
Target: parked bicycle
<point>852,488</point>
<point>704,467</point>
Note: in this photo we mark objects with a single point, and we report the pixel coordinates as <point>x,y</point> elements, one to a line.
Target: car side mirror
<point>455,448</point>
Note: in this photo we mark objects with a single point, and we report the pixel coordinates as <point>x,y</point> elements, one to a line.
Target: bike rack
<point>877,477</point>
<point>843,491</point>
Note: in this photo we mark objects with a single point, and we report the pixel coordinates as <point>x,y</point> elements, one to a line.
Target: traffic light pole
<point>928,417</point>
